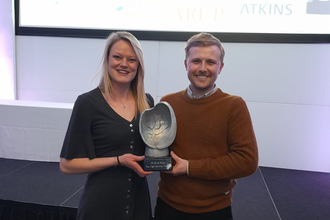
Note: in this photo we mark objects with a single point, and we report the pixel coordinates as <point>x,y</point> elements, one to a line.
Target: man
<point>214,145</point>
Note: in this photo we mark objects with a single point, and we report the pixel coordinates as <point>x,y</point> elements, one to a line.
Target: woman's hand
<point>131,161</point>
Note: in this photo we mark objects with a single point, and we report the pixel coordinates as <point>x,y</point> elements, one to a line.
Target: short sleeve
<point>78,141</point>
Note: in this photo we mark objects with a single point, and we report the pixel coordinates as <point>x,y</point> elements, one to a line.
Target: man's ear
<point>220,69</point>
<point>185,64</point>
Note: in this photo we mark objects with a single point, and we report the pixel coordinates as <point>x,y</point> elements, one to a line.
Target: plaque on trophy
<point>158,130</point>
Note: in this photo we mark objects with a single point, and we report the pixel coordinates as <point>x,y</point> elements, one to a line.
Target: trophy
<point>158,130</point>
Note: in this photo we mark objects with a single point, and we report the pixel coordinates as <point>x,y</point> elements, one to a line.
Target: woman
<point>103,137</point>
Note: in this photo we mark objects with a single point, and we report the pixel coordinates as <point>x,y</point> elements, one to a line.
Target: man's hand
<point>180,167</point>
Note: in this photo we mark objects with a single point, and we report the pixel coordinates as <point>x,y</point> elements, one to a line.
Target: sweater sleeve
<point>242,157</point>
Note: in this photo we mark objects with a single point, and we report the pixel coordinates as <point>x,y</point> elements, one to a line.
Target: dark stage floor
<point>269,194</point>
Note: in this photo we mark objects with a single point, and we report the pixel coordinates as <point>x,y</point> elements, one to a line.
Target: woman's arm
<point>86,165</point>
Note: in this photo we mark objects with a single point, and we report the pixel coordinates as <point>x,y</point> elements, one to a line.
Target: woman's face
<point>122,63</point>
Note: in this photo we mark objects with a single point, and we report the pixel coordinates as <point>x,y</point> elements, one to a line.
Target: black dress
<point>95,130</point>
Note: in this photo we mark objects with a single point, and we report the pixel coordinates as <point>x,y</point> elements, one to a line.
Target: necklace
<point>123,103</point>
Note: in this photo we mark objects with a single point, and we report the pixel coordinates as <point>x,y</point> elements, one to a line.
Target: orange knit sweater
<point>216,136</point>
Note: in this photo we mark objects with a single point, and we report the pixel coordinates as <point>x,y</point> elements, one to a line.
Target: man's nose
<point>202,67</point>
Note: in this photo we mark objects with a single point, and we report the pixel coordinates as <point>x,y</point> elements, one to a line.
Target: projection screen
<point>240,20</point>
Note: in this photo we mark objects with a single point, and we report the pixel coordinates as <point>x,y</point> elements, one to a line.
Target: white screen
<point>217,16</point>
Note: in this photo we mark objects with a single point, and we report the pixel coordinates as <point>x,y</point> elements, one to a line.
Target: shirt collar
<point>192,96</point>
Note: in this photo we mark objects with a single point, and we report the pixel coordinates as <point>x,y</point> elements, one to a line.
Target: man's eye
<point>210,62</point>
<point>195,61</point>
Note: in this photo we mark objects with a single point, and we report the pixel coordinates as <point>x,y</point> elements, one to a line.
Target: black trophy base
<point>157,163</point>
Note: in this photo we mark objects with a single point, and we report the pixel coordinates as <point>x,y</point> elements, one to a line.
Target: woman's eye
<point>116,57</point>
<point>132,60</point>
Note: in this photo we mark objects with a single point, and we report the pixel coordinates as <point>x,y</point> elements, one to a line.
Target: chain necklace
<point>123,103</point>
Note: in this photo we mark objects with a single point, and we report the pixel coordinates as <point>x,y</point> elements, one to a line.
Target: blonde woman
<point>103,137</point>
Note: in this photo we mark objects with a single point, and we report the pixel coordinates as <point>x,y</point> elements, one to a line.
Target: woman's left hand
<point>131,161</point>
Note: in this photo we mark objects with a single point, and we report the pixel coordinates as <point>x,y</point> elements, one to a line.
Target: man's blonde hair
<point>204,39</point>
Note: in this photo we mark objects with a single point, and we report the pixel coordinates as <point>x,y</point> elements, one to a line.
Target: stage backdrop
<point>286,87</point>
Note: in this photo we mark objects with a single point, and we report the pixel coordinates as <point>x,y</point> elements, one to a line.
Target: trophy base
<point>157,164</point>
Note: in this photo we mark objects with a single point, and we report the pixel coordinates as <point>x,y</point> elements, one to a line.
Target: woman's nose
<point>123,63</point>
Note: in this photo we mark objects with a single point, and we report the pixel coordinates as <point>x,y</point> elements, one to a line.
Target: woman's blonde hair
<point>137,84</point>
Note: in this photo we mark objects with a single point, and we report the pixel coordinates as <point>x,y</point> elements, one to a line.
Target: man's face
<point>203,67</point>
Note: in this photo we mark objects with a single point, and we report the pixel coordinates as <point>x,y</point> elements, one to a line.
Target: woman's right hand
<point>131,161</point>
